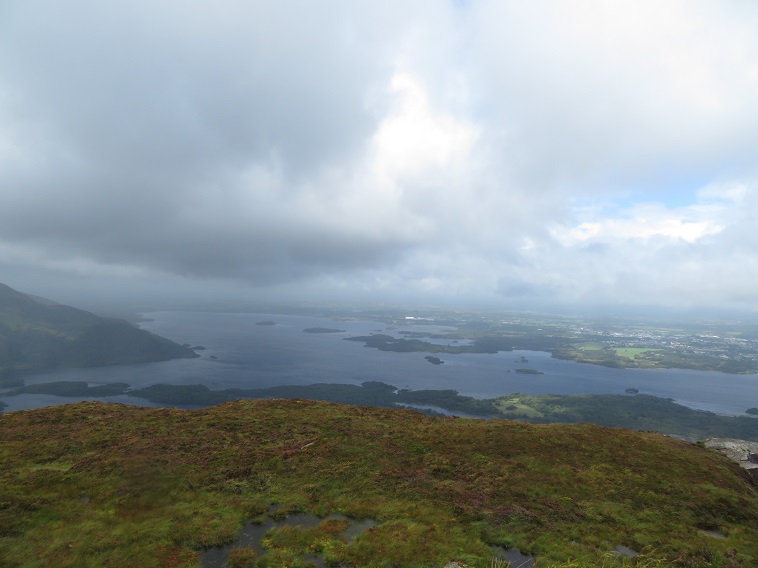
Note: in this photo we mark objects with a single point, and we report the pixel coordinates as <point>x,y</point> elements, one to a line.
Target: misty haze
<point>455,283</point>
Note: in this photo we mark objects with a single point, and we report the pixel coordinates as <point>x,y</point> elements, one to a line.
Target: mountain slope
<point>94,484</point>
<point>36,334</point>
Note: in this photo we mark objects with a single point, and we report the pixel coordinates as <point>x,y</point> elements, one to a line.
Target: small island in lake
<point>434,360</point>
<point>323,330</point>
<point>632,391</point>
<point>529,372</point>
<point>752,411</point>
<point>267,322</point>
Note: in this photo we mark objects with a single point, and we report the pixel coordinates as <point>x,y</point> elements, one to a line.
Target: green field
<point>632,352</point>
<point>512,405</point>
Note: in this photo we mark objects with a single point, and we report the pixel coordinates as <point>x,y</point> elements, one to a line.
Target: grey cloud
<point>595,95</point>
<point>157,85</point>
<point>129,113</point>
<point>239,142</point>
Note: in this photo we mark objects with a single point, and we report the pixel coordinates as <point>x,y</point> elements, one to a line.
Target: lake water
<point>241,354</point>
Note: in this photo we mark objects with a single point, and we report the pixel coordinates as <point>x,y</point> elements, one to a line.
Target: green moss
<point>242,557</point>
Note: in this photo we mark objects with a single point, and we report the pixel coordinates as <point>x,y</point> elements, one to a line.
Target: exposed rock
<point>743,452</point>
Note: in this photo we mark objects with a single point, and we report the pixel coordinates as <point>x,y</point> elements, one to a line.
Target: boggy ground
<point>94,484</point>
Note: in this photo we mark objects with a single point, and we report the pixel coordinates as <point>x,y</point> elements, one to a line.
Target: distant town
<point>726,346</point>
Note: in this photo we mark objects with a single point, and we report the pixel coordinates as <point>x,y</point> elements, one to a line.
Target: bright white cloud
<point>701,254</point>
<point>414,138</point>
<point>650,222</point>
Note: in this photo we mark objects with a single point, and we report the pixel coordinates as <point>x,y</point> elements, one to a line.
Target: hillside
<point>93,484</point>
<point>36,335</point>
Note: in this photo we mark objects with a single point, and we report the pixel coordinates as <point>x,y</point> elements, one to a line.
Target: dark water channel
<point>252,536</point>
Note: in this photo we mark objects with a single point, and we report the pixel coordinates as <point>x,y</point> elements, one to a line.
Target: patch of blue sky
<point>667,188</point>
<point>671,197</point>
<point>671,189</point>
<point>619,204</point>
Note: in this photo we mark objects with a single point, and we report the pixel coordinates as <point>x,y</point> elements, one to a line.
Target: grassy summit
<point>94,484</point>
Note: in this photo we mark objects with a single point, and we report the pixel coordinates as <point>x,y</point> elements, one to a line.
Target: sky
<point>521,153</point>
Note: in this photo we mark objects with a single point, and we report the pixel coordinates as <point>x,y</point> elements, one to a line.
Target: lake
<point>241,354</point>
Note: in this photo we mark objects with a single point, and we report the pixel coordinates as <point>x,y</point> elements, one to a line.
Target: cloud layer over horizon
<point>520,152</point>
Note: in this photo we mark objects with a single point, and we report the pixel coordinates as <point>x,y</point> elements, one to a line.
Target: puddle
<point>252,535</point>
<point>625,551</point>
<point>356,527</point>
<point>516,559</point>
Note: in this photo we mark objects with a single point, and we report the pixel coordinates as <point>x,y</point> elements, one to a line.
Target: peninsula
<point>38,334</point>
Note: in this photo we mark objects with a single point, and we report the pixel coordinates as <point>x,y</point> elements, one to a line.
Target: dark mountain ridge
<point>37,334</point>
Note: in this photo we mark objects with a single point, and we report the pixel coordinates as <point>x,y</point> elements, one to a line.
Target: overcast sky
<point>524,152</point>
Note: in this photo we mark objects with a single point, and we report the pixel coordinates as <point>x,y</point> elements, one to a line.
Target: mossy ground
<point>94,484</point>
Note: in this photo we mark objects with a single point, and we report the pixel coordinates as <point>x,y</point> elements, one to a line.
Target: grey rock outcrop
<point>743,452</point>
